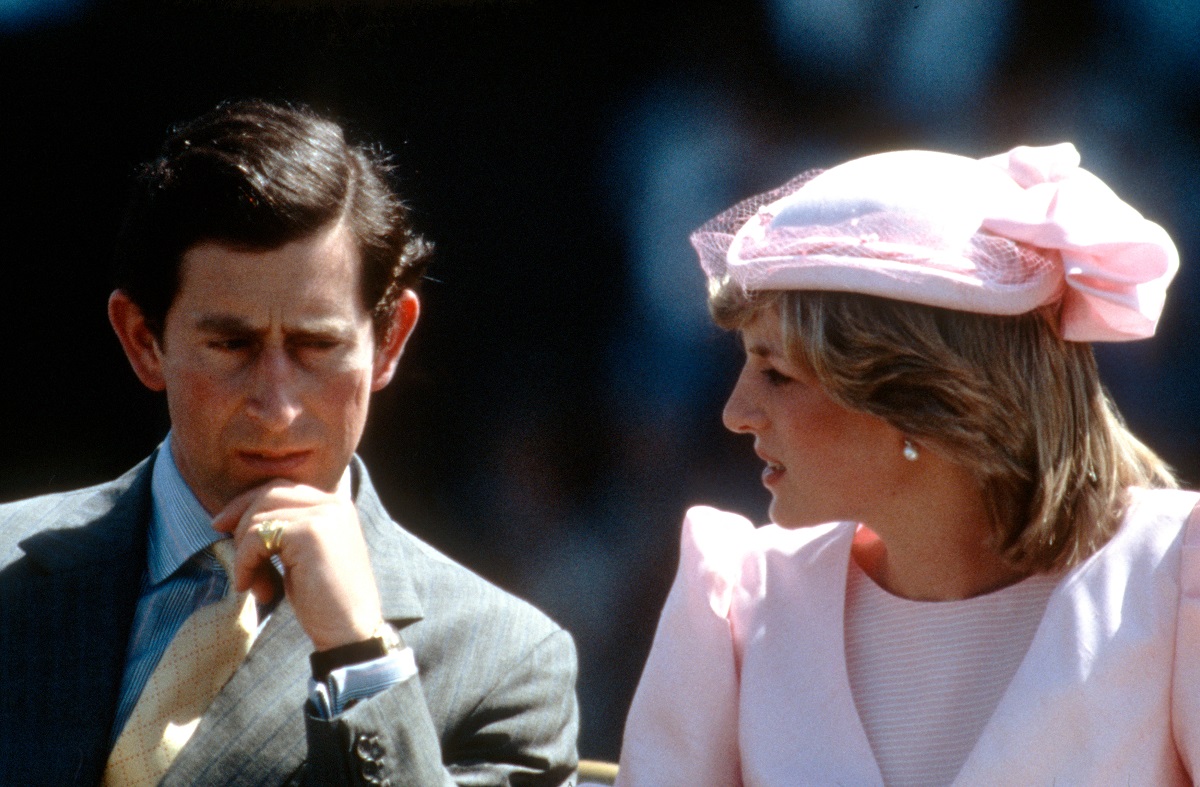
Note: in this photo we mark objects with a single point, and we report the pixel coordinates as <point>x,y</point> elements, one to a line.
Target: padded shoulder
<point>720,551</point>
<point>66,529</point>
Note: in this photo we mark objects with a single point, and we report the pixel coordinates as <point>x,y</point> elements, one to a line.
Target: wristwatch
<point>383,641</point>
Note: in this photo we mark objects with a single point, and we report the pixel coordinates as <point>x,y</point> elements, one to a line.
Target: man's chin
<point>238,477</point>
<point>232,489</point>
<point>287,479</point>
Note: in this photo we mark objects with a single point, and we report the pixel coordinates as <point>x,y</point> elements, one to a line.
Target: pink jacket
<point>746,683</point>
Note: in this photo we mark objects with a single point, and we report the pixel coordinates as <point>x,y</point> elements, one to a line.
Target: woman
<point>976,575</point>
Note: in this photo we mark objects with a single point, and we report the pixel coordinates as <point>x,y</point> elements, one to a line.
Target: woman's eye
<point>776,377</point>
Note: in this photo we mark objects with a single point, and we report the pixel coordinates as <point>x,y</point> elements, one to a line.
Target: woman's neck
<point>934,546</point>
<point>934,574</point>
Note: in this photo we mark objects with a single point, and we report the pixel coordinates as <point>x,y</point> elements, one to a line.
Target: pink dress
<point>746,683</point>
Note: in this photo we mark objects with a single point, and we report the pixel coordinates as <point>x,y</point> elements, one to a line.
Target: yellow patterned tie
<point>205,652</point>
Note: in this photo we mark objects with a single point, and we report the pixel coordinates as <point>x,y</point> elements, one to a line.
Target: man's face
<point>268,360</point>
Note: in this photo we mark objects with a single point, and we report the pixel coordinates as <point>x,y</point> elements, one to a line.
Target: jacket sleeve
<point>522,731</point>
<point>1185,683</point>
<point>682,726</point>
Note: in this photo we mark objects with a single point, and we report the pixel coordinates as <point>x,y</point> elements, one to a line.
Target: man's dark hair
<point>255,175</point>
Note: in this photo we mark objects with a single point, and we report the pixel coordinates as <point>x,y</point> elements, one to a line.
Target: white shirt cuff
<point>347,685</point>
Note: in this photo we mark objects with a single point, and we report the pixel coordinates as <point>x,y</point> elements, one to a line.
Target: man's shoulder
<point>474,639</point>
<point>445,588</point>
<point>454,595</point>
<point>496,674</point>
<point>71,510</point>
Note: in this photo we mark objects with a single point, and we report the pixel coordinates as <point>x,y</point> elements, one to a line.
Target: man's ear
<point>139,342</point>
<point>400,327</point>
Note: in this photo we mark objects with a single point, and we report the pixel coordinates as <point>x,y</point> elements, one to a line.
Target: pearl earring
<point>910,451</point>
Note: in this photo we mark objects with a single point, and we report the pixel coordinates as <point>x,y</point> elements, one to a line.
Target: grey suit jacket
<point>494,701</point>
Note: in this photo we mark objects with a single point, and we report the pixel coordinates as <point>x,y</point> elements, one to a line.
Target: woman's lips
<point>772,473</point>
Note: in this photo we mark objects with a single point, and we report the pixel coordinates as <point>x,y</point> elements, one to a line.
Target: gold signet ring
<point>271,533</point>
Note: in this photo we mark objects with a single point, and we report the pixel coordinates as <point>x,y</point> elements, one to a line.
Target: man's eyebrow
<point>224,323</point>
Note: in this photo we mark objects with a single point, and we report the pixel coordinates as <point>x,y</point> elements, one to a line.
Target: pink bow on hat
<point>1116,264</point>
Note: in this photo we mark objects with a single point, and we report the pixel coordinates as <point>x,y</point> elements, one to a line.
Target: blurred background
<point>559,407</point>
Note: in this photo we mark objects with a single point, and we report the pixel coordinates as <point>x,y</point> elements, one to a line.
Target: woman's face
<point>825,463</point>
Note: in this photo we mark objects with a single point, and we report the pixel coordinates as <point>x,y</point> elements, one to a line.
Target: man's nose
<point>274,397</point>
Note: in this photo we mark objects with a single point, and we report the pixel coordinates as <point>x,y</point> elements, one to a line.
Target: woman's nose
<point>742,413</point>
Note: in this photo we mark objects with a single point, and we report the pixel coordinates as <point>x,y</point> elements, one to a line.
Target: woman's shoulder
<point>716,534</point>
<point>1154,519</point>
<point>720,550</point>
<point>1149,546</point>
<point>1160,504</point>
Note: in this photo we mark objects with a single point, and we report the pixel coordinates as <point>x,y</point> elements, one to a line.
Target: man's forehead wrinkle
<point>232,323</point>
<point>222,322</point>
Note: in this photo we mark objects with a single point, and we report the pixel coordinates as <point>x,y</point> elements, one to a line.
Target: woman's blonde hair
<point>1004,396</point>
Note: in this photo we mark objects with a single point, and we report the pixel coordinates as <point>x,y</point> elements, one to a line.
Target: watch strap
<point>385,641</point>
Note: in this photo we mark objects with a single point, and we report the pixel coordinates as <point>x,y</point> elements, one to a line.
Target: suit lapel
<point>83,577</point>
<point>391,555</point>
<point>253,733</point>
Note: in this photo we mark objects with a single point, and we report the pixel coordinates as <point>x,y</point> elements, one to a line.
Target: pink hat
<point>1001,235</point>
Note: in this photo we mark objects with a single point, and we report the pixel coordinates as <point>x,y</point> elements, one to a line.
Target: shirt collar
<point>179,525</point>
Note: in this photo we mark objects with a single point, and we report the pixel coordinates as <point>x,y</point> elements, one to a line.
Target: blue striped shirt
<point>182,575</point>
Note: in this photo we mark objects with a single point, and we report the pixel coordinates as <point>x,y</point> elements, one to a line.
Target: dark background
<point>559,406</point>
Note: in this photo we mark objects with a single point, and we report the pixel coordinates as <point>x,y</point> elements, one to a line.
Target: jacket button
<point>367,748</point>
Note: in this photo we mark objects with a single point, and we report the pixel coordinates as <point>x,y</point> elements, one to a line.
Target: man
<point>265,283</point>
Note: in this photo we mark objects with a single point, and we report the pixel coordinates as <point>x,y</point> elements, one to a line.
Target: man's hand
<point>327,574</point>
